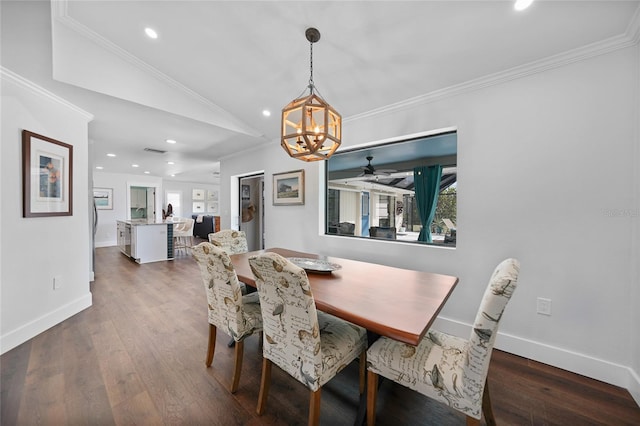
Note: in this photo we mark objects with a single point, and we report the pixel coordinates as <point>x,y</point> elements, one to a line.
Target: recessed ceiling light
<point>99,167</point>
<point>173,175</point>
<point>111,155</point>
<point>146,172</point>
<point>522,4</point>
<point>170,162</point>
<point>151,33</point>
<point>135,165</point>
<point>170,141</point>
<point>266,113</point>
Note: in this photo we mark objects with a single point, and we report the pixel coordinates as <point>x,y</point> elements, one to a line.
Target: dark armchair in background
<point>208,225</point>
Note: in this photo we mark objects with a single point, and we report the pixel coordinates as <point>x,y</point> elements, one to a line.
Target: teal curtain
<point>427,187</point>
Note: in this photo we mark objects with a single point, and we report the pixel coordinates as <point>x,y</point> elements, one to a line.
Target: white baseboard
<point>634,386</point>
<point>585,365</point>
<point>33,328</point>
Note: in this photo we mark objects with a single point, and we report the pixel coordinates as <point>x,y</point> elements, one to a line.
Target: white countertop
<point>139,222</point>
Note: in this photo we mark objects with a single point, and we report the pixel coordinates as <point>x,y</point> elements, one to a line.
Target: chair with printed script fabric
<point>233,242</point>
<point>230,240</point>
<point>447,368</point>
<point>229,310</point>
<point>309,345</point>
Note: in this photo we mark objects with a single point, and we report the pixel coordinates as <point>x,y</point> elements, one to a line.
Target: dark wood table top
<point>397,303</point>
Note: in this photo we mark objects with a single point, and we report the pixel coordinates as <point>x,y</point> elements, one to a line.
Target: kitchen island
<point>146,240</point>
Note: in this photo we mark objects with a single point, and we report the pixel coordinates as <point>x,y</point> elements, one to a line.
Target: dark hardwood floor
<point>137,357</point>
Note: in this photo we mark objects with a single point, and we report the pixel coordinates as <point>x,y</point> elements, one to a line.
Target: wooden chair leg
<point>212,345</point>
<point>264,386</point>
<point>486,406</point>
<point>372,394</point>
<point>472,422</point>
<point>314,407</point>
<point>237,369</point>
<point>363,370</point>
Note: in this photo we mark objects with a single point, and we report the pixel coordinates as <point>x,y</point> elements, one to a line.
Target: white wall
<point>544,162</point>
<point>187,194</point>
<point>34,250</point>
<point>635,253</point>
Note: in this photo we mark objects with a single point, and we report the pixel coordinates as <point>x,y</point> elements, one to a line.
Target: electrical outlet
<point>544,306</point>
<point>57,282</point>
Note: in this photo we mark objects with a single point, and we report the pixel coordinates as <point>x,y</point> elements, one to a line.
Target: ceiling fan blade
<point>384,171</point>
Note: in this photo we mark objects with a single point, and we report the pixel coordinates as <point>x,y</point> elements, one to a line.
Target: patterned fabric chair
<point>444,367</point>
<point>231,241</point>
<point>310,345</point>
<point>229,310</point>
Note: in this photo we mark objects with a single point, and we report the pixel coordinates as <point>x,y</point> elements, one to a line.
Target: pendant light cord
<point>311,85</point>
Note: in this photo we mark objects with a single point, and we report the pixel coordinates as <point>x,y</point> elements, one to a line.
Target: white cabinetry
<point>149,243</point>
<point>138,198</point>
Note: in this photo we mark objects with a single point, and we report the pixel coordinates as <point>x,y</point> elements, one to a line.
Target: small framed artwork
<point>212,207</point>
<point>198,207</point>
<point>198,194</point>
<point>288,188</point>
<point>103,198</point>
<point>212,195</point>
<point>47,176</point>
<point>246,192</point>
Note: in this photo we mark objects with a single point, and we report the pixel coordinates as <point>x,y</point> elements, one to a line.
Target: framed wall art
<point>288,188</point>
<point>47,176</point>
<point>212,195</point>
<point>103,198</point>
<point>197,194</point>
<point>198,207</point>
<point>212,207</point>
<point>246,192</point>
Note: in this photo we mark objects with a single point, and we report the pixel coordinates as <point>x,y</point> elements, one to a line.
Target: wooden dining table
<point>388,301</point>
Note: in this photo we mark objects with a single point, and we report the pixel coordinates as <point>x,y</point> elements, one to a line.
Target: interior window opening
<point>401,191</point>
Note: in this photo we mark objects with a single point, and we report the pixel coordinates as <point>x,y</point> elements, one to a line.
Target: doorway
<point>142,203</point>
<point>252,210</point>
<point>175,199</point>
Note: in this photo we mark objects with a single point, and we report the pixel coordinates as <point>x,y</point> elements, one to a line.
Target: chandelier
<point>311,128</point>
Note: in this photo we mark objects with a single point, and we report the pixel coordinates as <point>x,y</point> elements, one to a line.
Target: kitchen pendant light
<point>311,128</point>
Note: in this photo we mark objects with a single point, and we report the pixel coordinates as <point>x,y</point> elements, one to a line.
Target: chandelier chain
<point>311,85</point>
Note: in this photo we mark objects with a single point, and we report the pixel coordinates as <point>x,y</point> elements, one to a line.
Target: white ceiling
<point>217,64</point>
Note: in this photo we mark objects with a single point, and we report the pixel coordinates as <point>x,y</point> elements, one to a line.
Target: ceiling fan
<point>369,170</point>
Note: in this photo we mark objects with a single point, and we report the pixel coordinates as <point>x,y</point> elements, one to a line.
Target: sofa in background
<point>208,225</point>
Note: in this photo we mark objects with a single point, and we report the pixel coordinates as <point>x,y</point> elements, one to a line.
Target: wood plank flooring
<point>137,357</point>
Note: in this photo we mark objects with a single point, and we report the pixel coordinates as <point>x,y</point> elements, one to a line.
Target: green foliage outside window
<point>446,209</point>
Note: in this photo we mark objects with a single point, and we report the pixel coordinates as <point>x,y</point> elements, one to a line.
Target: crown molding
<point>633,29</point>
<point>629,38</point>
<point>9,76</point>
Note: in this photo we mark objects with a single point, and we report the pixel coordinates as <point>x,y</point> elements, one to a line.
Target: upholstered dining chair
<point>309,345</point>
<point>230,240</point>
<point>233,242</point>
<point>447,368</point>
<point>229,310</point>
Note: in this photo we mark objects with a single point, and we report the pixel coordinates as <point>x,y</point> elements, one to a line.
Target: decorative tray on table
<point>314,265</point>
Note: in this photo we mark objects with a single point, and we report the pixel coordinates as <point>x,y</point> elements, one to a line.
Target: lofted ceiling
<point>217,65</point>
